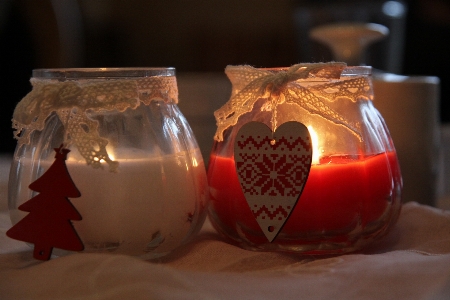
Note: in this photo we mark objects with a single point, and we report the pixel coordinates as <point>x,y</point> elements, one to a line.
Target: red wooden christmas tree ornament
<point>48,223</point>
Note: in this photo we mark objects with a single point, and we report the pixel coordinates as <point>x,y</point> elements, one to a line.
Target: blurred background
<point>200,36</point>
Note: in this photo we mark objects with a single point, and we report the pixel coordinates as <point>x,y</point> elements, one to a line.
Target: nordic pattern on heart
<point>263,212</point>
<point>272,170</point>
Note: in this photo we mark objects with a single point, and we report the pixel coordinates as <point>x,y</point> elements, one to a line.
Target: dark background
<point>204,36</point>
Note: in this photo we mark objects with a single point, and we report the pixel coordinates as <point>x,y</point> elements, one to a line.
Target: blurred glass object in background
<point>349,40</point>
<point>386,55</point>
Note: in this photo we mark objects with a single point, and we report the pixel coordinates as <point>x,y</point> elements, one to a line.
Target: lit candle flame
<point>110,152</point>
<point>315,145</point>
<point>194,162</point>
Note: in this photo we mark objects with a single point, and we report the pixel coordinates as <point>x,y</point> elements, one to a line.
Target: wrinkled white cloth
<point>411,262</point>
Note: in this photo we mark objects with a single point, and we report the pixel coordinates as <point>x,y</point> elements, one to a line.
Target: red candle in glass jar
<point>341,194</point>
<point>351,194</point>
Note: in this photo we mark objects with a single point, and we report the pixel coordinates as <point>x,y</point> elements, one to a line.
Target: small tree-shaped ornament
<point>48,223</point>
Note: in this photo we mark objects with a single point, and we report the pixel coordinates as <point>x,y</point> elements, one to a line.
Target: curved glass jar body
<point>147,194</point>
<point>352,194</point>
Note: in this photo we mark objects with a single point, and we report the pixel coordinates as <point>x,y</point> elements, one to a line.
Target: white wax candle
<point>158,198</point>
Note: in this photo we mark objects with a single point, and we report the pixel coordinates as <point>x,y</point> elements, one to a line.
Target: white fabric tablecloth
<point>411,262</point>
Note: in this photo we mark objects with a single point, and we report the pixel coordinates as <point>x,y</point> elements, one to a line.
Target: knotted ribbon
<point>285,86</point>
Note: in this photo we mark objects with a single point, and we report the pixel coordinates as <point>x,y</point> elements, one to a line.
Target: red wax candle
<point>344,198</point>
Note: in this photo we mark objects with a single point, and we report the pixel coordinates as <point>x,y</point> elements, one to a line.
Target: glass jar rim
<point>102,73</point>
<point>348,71</point>
<point>357,71</point>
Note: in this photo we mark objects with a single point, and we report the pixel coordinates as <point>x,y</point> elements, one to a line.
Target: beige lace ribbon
<point>72,100</point>
<point>284,86</point>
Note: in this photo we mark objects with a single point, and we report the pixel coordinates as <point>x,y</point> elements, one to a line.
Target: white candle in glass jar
<point>150,205</point>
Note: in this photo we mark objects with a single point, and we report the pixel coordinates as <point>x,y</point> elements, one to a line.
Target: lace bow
<point>284,86</point>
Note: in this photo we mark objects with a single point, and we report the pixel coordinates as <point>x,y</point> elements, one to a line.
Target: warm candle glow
<point>111,153</point>
<point>194,162</point>
<point>315,145</point>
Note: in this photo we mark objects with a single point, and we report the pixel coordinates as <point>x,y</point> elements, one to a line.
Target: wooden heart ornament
<point>272,169</point>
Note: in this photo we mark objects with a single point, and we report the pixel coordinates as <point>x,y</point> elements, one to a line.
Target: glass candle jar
<point>302,161</point>
<point>133,157</point>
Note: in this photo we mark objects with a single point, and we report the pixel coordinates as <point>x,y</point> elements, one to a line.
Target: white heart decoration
<point>272,169</point>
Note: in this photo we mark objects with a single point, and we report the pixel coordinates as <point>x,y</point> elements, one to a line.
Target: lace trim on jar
<point>285,85</point>
<point>71,100</point>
